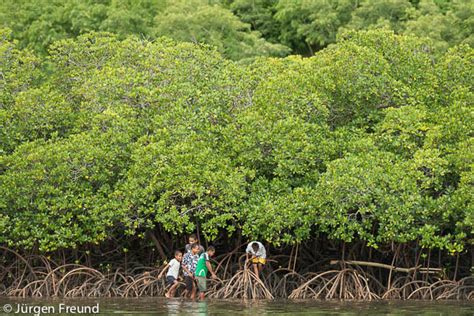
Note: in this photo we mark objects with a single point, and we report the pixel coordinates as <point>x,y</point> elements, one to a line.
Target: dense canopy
<point>105,136</point>
<point>240,29</point>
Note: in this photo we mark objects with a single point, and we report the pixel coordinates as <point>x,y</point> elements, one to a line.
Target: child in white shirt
<point>173,272</point>
<point>257,255</point>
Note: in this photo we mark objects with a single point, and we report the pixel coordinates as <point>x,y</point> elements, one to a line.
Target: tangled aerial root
<point>334,284</point>
<point>244,284</point>
<point>283,281</point>
<point>46,278</point>
<point>81,281</point>
<point>436,290</point>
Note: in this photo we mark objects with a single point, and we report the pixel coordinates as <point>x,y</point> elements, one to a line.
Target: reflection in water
<point>173,306</point>
<point>178,306</point>
<point>202,307</point>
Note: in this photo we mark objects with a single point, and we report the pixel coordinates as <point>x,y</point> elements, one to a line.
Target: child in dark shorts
<point>189,266</point>
<point>173,272</point>
<point>170,280</point>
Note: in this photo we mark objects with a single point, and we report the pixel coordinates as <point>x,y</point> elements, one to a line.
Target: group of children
<point>196,264</point>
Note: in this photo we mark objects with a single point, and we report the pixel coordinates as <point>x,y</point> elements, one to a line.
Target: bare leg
<point>172,289</point>
<point>256,271</point>
<point>202,295</point>
<point>193,292</point>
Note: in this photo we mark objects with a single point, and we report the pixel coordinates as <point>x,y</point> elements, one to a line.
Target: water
<point>161,306</point>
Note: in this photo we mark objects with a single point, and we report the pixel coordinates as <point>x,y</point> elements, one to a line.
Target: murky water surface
<point>160,306</point>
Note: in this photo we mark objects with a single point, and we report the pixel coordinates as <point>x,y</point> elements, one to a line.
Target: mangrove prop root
<point>38,276</point>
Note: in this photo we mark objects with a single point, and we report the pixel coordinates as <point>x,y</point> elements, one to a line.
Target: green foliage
<point>259,14</point>
<point>38,24</point>
<point>195,21</point>
<point>54,192</point>
<point>380,13</point>
<point>370,196</point>
<point>370,139</point>
<point>239,29</point>
<point>445,25</point>
<point>307,26</point>
<point>310,25</point>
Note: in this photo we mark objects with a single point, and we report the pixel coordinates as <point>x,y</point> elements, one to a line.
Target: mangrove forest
<point>337,133</point>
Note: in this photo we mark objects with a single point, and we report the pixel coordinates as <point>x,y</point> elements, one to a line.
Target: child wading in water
<point>258,256</point>
<point>173,272</point>
<point>203,266</point>
<point>190,260</point>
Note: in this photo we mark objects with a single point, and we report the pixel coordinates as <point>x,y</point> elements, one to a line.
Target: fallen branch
<point>387,266</point>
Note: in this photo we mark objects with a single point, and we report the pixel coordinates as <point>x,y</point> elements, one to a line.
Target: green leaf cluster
<point>370,139</point>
